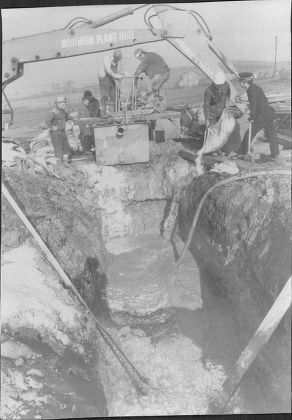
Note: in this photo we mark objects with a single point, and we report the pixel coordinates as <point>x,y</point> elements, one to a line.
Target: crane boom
<point>66,43</point>
<point>193,40</point>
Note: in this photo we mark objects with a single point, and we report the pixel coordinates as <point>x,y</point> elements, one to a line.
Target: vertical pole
<point>276,45</point>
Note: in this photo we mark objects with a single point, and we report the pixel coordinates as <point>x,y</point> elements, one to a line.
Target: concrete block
<point>122,144</point>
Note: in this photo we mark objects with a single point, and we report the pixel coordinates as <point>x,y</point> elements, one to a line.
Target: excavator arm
<point>82,36</point>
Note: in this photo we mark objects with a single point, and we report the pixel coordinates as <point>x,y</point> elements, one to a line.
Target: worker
<point>86,135</point>
<point>155,68</point>
<point>93,104</point>
<point>56,122</point>
<point>216,98</point>
<point>108,77</point>
<point>262,115</point>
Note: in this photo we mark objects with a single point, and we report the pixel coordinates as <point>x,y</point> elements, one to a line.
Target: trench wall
<point>242,244</point>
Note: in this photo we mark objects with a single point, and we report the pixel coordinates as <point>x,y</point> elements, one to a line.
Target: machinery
<point>192,38</point>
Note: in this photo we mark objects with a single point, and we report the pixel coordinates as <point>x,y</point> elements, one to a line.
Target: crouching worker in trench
<point>56,122</point>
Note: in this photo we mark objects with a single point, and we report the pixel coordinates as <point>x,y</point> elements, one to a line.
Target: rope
<point>140,383</point>
<point>219,184</point>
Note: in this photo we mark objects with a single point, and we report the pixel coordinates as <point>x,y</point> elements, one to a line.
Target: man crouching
<point>56,122</point>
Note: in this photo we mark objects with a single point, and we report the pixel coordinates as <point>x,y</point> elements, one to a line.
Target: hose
<point>219,184</point>
<point>72,20</point>
<point>194,14</point>
<point>140,383</point>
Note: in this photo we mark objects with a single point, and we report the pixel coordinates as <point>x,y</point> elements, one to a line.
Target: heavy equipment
<point>192,38</point>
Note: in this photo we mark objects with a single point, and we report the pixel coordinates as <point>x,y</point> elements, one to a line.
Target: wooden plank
<point>211,160</point>
<point>133,117</point>
<point>284,140</point>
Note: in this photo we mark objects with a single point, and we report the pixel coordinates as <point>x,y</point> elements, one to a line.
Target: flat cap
<point>245,75</point>
<point>87,93</point>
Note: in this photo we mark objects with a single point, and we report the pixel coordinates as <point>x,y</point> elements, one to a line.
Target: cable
<point>208,33</point>
<point>82,23</point>
<point>72,20</point>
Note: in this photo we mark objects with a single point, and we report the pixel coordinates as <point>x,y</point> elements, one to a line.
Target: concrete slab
<point>122,144</point>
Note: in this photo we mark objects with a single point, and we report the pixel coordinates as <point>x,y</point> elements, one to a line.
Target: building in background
<point>188,79</point>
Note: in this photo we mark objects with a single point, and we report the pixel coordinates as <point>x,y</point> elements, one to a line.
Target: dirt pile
<point>66,217</point>
<point>48,356</point>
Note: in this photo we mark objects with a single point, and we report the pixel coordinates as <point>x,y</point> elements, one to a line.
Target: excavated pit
<point>183,329</point>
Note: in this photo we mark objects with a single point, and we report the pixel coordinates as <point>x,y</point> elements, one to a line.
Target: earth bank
<point>104,224</point>
<point>242,244</point>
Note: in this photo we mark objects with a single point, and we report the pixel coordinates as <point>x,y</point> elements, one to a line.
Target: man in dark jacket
<point>93,104</point>
<point>56,122</point>
<point>216,97</point>
<point>155,68</point>
<point>262,116</point>
<point>86,134</point>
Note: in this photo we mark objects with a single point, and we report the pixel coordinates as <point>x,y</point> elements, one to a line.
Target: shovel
<point>249,155</point>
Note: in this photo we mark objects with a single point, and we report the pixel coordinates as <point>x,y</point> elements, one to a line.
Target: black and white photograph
<point>146,209</point>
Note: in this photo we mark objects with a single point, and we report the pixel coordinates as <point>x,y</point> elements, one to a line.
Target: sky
<point>242,30</point>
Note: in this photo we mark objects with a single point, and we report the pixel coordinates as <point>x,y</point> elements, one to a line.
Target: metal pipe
<point>140,383</point>
<point>249,138</point>
<point>10,107</point>
<point>111,18</point>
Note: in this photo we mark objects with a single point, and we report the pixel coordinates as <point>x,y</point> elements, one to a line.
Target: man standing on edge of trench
<point>156,69</point>
<point>262,115</point>
<point>56,122</point>
<point>108,76</point>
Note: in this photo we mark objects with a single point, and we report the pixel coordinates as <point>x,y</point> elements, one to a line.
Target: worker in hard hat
<point>156,69</point>
<point>109,75</point>
<point>262,115</point>
<point>56,122</point>
<point>216,97</point>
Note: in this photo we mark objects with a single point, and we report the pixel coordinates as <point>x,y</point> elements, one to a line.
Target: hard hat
<point>61,99</point>
<point>138,52</point>
<point>219,78</point>
<point>87,93</point>
<point>246,76</point>
<point>117,55</point>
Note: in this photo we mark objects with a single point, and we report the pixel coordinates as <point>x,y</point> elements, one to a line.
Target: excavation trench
<point>112,229</point>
